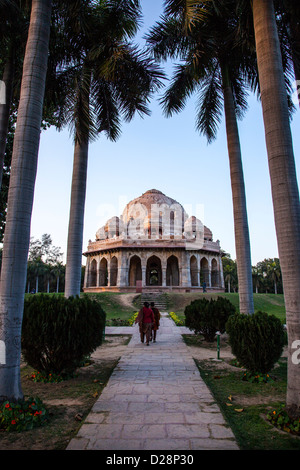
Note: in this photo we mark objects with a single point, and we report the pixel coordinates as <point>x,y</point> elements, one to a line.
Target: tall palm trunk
<point>76,220</point>
<point>242,239</point>
<point>78,190</point>
<point>8,77</point>
<point>283,177</point>
<point>20,199</point>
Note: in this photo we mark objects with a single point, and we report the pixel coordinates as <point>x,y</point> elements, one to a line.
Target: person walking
<point>155,325</point>
<point>145,319</point>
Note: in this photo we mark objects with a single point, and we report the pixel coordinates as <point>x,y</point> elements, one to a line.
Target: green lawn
<point>269,303</point>
<point>117,305</point>
<point>245,406</point>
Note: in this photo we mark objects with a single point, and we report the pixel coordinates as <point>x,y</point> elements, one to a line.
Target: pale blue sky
<point>168,155</point>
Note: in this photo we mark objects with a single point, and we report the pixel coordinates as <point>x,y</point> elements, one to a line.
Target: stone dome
<point>155,209</point>
<point>113,228</point>
<point>143,206</point>
<point>193,225</point>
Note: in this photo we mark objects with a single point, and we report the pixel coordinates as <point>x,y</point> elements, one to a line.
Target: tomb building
<point>154,245</point>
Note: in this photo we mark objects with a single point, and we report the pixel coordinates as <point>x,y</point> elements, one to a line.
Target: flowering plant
<point>132,318</point>
<point>176,320</point>
<point>46,378</point>
<point>22,415</point>
<point>256,378</point>
<point>280,419</point>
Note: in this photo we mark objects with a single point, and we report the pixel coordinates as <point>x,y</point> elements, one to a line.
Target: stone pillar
<point>144,270</point>
<point>184,271</point>
<point>209,273</point>
<point>122,280</point>
<point>108,272</point>
<point>86,272</point>
<point>221,275</point>
<point>164,273</point>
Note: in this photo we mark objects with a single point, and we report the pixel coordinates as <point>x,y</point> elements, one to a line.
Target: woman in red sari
<point>145,319</point>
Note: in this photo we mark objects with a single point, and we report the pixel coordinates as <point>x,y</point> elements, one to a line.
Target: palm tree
<point>111,80</point>
<point>13,33</point>
<point>214,66</point>
<point>288,20</point>
<point>257,277</point>
<point>284,185</point>
<point>57,270</point>
<point>20,198</point>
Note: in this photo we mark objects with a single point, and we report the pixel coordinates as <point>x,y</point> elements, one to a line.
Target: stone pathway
<point>155,399</point>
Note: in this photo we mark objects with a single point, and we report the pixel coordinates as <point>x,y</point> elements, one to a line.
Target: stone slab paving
<point>155,399</point>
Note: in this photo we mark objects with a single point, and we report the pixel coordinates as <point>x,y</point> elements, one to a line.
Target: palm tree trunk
<point>283,177</point>
<point>8,76</point>
<point>76,220</point>
<point>242,239</point>
<point>20,198</point>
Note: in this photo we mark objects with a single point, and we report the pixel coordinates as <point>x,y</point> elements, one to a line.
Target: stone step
<point>156,297</point>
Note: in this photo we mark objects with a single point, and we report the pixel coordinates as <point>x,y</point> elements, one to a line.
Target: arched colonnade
<point>183,269</point>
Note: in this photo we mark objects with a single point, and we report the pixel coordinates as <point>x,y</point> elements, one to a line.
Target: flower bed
<point>23,415</point>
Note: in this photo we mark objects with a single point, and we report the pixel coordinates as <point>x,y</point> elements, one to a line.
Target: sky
<point>167,154</point>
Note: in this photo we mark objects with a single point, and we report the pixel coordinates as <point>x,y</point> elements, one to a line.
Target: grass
<point>245,405</point>
<point>68,402</point>
<point>270,303</point>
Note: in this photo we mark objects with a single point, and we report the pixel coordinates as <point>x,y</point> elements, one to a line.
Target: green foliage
<point>280,418</point>
<point>206,317</point>
<point>256,340</point>
<point>58,332</point>
<point>176,319</point>
<point>22,416</point>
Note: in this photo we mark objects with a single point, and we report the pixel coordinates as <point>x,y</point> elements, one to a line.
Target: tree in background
<point>43,261</point>
<point>230,273</point>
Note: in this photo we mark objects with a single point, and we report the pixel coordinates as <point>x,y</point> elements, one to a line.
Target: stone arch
<point>135,270</point>
<point>172,271</point>
<point>194,271</point>
<point>204,271</point>
<point>103,273</point>
<point>214,273</point>
<point>93,274</point>
<point>154,271</point>
<point>113,271</point>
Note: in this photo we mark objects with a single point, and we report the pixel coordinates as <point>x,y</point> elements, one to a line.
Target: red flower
<point>13,422</point>
<point>7,405</point>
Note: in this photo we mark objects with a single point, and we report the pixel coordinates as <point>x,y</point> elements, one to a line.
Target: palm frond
<point>165,40</point>
<point>192,11</point>
<point>210,104</point>
<point>182,86</point>
<point>105,107</point>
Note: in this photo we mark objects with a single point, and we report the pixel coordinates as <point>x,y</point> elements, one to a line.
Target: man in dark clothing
<point>155,325</point>
<point>145,319</point>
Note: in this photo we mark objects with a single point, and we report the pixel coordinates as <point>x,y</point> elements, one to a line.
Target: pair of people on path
<point>148,320</point>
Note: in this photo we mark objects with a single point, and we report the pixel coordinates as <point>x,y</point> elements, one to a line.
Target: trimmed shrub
<point>57,333</point>
<point>256,340</point>
<point>207,317</point>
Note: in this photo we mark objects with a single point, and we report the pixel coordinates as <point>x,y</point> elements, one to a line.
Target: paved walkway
<point>155,399</point>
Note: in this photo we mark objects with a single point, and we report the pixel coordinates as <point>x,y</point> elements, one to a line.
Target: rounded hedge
<point>207,317</point>
<point>58,332</point>
<point>256,340</point>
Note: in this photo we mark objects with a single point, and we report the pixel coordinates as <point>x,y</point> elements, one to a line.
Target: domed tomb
<point>153,245</point>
